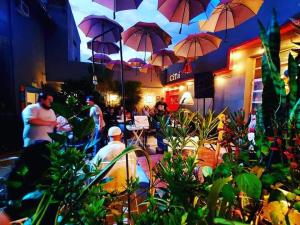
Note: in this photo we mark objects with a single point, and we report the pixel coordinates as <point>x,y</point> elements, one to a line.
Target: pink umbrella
<point>146,37</point>
<point>136,62</point>
<point>101,26</point>
<point>163,58</point>
<point>117,65</point>
<point>182,11</point>
<point>104,47</point>
<point>119,5</point>
<point>100,58</point>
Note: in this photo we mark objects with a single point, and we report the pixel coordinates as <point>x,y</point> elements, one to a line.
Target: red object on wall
<point>172,99</point>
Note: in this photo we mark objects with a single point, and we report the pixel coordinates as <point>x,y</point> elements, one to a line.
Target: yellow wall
<point>239,78</point>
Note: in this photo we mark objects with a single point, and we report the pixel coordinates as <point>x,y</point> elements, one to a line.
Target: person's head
<point>90,100</point>
<point>115,134</point>
<point>162,99</point>
<point>45,100</point>
<point>111,110</point>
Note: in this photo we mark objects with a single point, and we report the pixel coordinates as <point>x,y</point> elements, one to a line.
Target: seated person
<point>118,172</point>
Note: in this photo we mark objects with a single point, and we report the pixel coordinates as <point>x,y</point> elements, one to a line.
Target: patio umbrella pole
<point>124,118</point>
<point>182,17</point>
<point>115,9</point>
<point>93,54</point>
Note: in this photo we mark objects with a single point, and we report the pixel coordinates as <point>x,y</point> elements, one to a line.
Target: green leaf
<point>184,218</point>
<point>297,206</point>
<point>249,184</point>
<point>228,193</point>
<point>23,171</point>
<point>264,149</point>
<point>207,171</point>
<point>227,222</point>
<point>62,109</point>
<point>297,191</point>
<point>60,138</point>
<point>214,194</point>
<point>293,72</point>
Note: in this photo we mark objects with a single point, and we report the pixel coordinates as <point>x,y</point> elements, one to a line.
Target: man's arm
<point>101,119</point>
<point>30,115</point>
<point>40,122</point>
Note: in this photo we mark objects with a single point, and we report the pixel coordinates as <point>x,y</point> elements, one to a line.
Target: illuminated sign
<point>178,76</point>
<point>174,76</point>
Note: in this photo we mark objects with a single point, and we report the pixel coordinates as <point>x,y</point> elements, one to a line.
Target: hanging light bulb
<point>95,80</point>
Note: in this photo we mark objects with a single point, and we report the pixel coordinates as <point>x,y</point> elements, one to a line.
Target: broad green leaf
<point>228,193</point>
<point>249,184</point>
<point>214,194</point>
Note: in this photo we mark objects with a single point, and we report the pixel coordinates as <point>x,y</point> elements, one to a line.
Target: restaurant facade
<point>237,86</point>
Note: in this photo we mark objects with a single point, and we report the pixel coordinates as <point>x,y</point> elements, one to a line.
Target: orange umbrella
<point>196,45</point>
<point>163,58</point>
<point>230,14</point>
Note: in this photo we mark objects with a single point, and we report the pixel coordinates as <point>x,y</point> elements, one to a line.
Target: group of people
<point>40,121</point>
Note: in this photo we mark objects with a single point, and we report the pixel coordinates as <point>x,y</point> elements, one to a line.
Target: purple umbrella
<point>101,27</point>
<point>117,65</point>
<point>136,62</point>
<point>104,47</point>
<point>119,5</point>
<point>100,58</point>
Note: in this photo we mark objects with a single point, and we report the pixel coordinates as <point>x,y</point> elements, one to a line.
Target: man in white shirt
<point>118,171</point>
<point>39,120</point>
<point>97,115</point>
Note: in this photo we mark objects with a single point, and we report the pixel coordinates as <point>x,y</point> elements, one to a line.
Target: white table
<point>137,134</point>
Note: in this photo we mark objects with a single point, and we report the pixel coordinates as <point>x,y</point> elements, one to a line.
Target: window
<point>257,82</point>
<point>257,85</point>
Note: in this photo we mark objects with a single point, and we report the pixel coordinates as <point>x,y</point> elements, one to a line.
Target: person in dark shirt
<point>161,107</point>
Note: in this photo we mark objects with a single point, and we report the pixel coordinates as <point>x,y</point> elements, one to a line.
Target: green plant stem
<point>44,211</point>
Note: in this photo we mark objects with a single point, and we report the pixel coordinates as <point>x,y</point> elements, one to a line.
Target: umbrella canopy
<point>147,68</point>
<point>104,47</point>
<point>119,5</point>
<point>163,58</point>
<point>116,65</point>
<point>136,62</point>
<point>196,45</point>
<point>100,58</point>
<point>93,26</point>
<point>182,11</point>
<point>230,14</point>
<point>150,69</point>
<point>146,37</point>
